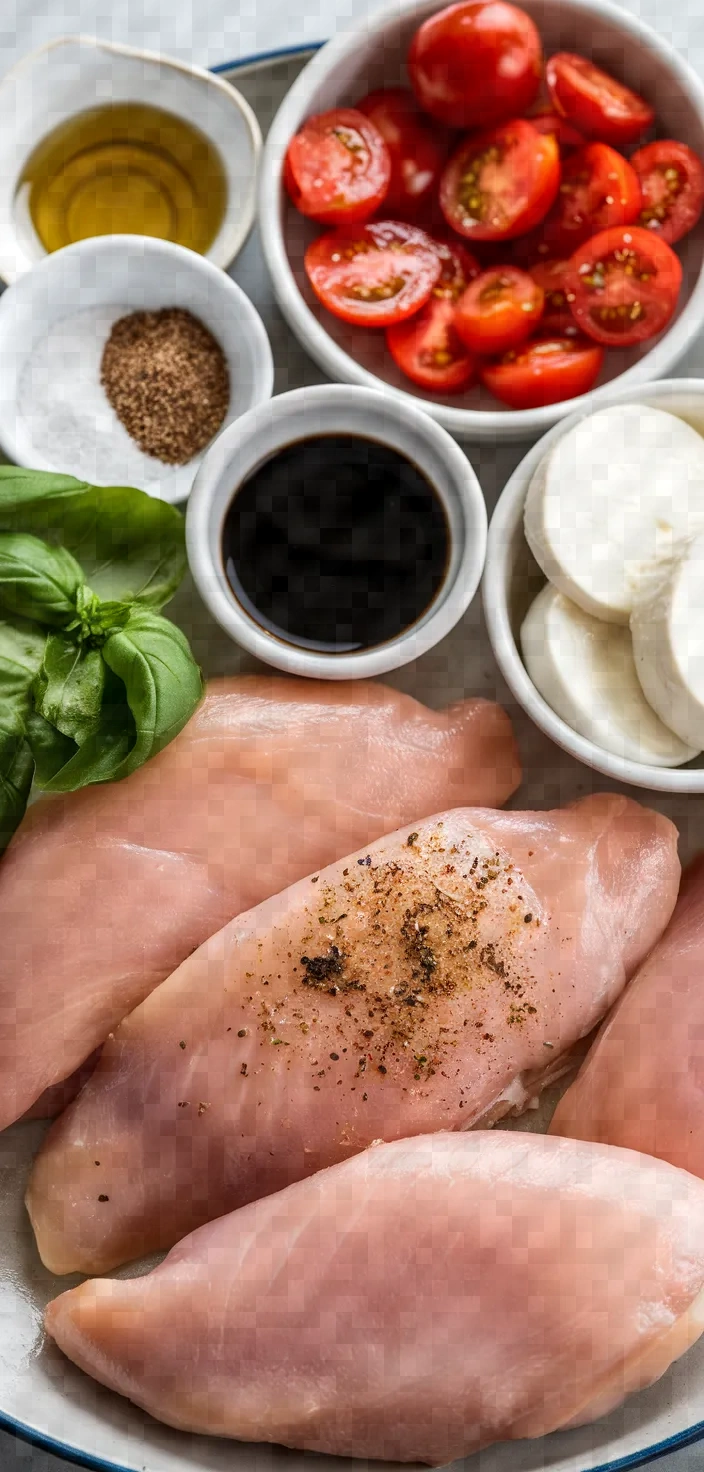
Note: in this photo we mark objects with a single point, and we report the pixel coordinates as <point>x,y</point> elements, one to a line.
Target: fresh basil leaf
<point>68,691</point>
<point>21,651</point>
<point>37,581</point>
<point>162,681</point>
<point>129,545</point>
<point>102,754</point>
<point>153,686</point>
<point>16,773</point>
<point>51,751</point>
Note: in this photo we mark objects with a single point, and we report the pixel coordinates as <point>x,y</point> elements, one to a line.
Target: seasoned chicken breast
<point>432,980</point>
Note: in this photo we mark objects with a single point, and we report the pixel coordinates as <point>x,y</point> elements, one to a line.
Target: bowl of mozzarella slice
<point>594,585</point>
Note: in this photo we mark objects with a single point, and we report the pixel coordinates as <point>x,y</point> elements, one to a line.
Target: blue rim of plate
<point>98,1464</point>
<point>259,57</point>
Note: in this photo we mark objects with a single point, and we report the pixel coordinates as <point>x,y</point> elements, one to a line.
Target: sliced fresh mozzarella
<point>619,489</point>
<point>667,624</point>
<point>584,670</point>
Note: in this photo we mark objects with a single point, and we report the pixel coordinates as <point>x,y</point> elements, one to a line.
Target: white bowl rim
<point>479,424</point>
<point>232,235</point>
<point>507,514</point>
<point>407,646</point>
<point>96,245</point>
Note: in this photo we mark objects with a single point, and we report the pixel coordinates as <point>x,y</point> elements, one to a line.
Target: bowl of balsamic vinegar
<point>336,534</point>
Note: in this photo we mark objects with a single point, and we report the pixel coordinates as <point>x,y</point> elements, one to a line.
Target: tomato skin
<point>595,102</point>
<point>557,316</point>
<point>624,284</point>
<point>499,184</point>
<point>598,190</point>
<point>457,268</point>
<point>426,347</point>
<point>499,310</point>
<point>566,136</point>
<point>417,149</point>
<point>672,181</point>
<point>337,168</point>
<point>428,350</point>
<point>476,63</point>
<point>375,274</point>
<point>289,182</point>
<point>546,370</point>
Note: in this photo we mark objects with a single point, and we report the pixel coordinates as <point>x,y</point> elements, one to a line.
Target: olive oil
<point>126,168</point>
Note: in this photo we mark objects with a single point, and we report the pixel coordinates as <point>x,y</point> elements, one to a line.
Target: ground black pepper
<point>168,382</point>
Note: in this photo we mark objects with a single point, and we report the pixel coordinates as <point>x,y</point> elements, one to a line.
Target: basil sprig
<point>93,680</point>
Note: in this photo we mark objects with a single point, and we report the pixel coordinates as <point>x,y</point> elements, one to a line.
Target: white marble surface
<point>213,31</point>
<point>210,31</point>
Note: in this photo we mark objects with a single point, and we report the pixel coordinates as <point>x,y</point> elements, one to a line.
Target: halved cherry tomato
<point>566,136</point>
<point>428,350</point>
<point>373,275</point>
<point>544,371</point>
<point>624,285</point>
<point>338,167</point>
<point>557,317</point>
<point>598,189</point>
<point>417,147</point>
<point>499,184</point>
<point>672,180</point>
<point>499,310</point>
<point>457,268</point>
<point>476,64</point>
<point>595,102</point>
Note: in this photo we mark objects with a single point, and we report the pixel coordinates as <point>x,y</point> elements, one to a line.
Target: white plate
<point>42,1396</point>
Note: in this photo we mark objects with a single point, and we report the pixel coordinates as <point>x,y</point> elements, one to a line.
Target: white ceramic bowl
<point>334,409</point>
<point>106,278</point>
<point>73,73</point>
<point>371,53</point>
<point>512,578</point>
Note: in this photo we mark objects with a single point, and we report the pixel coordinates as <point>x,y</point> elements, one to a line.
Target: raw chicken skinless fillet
<point>416,1303</point>
<point>433,980</point>
<point>103,893</point>
<point>642,1084</point>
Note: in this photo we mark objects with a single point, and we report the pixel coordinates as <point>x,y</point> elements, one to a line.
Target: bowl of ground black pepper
<point>167,379</point>
<point>123,358</point>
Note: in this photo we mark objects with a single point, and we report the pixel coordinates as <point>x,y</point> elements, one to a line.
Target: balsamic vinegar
<point>337,543</point>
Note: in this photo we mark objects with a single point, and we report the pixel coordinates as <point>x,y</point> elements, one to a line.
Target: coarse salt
<point>68,418</point>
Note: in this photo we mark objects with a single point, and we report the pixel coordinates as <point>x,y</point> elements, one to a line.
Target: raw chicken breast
<point>431,981</point>
<point>643,1082</point>
<point>58,1097</point>
<point>103,893</point>
<point>416,1303</point>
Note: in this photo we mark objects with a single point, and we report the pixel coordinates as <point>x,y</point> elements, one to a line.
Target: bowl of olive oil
<point>172,154</point>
